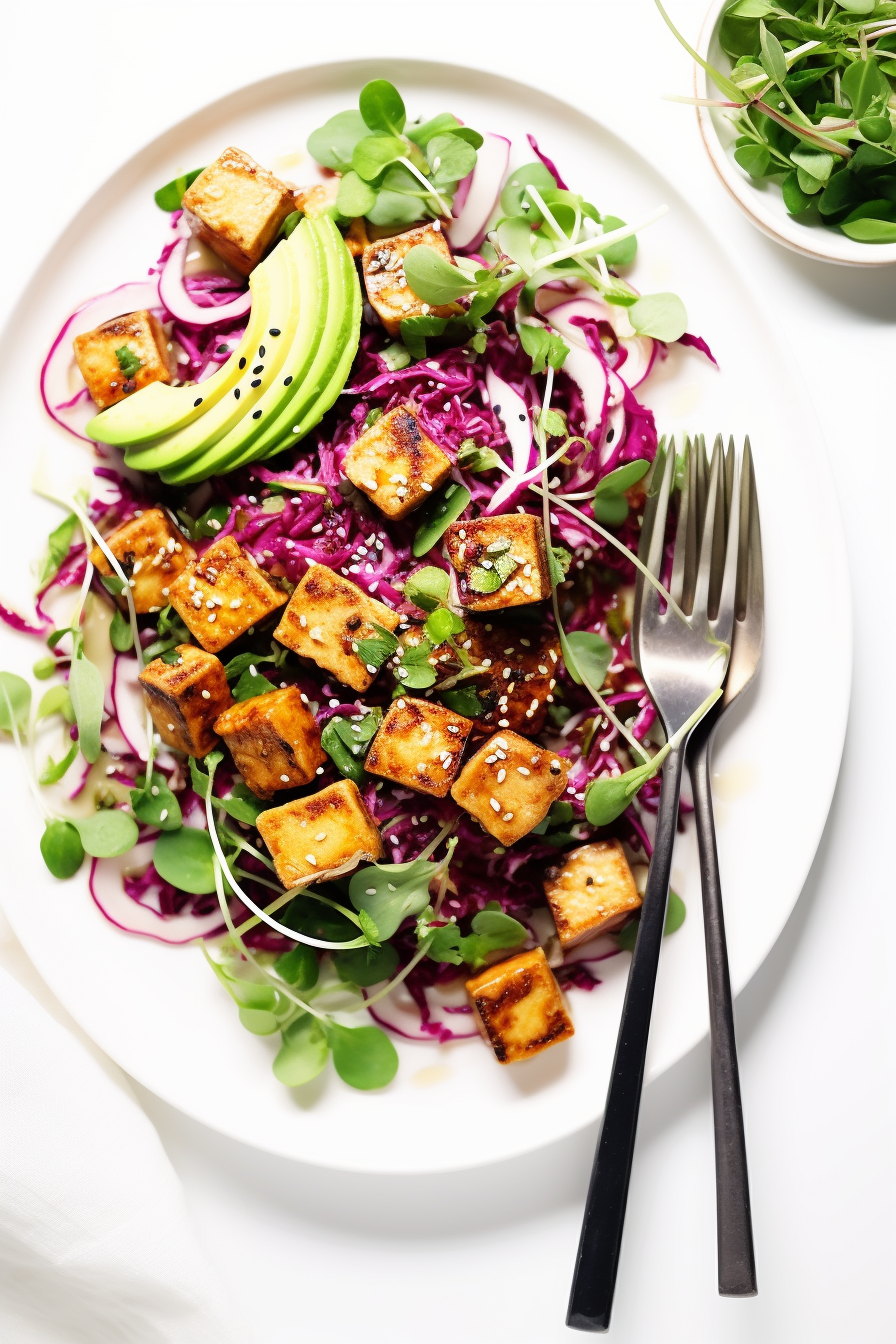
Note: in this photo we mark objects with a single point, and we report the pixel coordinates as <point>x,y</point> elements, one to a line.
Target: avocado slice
<point>323,349</point>
<point>308,337</point>
<point>325,379</point>
<point>259,370</point>
<point>159,409</point>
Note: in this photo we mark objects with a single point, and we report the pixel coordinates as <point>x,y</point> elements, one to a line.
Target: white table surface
<point>318,1256</point>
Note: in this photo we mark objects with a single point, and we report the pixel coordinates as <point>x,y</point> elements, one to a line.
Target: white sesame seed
<point>319,770</point>
<point>486,662</point>
<point>424,485</point>
<point>206,695</point>
<point>521,770</point>
<point>400,703</point>
<point>212,617</point>
<point>163,815</point>
<point>154,790</point>
<point>309,858</point>
<point>502,775</point>
<point>542,669</point>
<point>495,804</point>
<point>316,634</point>
<point>506,673</point>
<point>171,727</point>
<point>303,621</point>
<point>508,816</point>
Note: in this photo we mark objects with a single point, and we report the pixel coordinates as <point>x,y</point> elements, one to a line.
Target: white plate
<point>157,1010</point>
<point>761,201</point>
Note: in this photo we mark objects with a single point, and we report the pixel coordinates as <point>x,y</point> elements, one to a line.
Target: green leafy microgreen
<point>156,805</point>
<point>591,656</point>
<point>186,859</point>
<point>242,805</point>
<point>170,197</point>
<point>304,1052</point>
<point>121,636</point>
<point>470,457</point>
<point>445,507</point>
<point>61,849</point>
<point>394,173</point>
<point>129,362</point>
<point>107,833</point>
<point>366,966</point>
<point>433,278</point>
<point>44,668</point>
<point>559,561</point>
<point>441,625</point>
<point>609,504</point>
<point>463,701</point>
<point>492,931</point>
<point>54,770</point>
<point>56,701</point>
<point>299,966</point>
<point>346,743</point>
<point>675,917</point>
<point>545,348</point>
<point>428,588</point>
<point>87,690</point>
<point>390,892</point>
<point>364,1057</point>
<point>15,701</point>
<point>251,684</point>
<point>369,928</point>
<point>415,672</point>
<point>290,223</point>
<point>662,316</point>
<point>209,524</point>
<point>490,574</point>
<point>59,544</point>
<point>376,649</point>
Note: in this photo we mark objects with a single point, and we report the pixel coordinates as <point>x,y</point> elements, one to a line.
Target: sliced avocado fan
<point>296,353</point>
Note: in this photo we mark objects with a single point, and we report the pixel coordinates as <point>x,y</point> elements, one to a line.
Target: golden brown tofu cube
<point>186,697</point>
<point>318,838</point>
<point>152,552</point>
<point>223,594</point>
<point>517,685</point>
<point>237,207</point>
<point>274,741</point>
<point>591,891</point>
<point>326,617</point>
<point>396,464</point>
<point>519,1007</point>
<point>356,237</point>
<point>500,561</point>
<point>420,745</point>
<point>387,289</point>
<point>123,355</point>
<point>316,199</point>
<point>509,785</point>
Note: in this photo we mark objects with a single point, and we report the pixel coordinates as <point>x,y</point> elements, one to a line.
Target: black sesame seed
<point>522,415</point>
<point>287,381</point>
<point>198,401</point>
<point>222,349</point>
<point>497,410</point>
<point>259,368</point>
<point>256,382</point>
<point>261,352</point>
<point>611,434</point>
<point>236,393</point>
<point>273,331</point>
<point>256,415</point>
<point>242,363</point>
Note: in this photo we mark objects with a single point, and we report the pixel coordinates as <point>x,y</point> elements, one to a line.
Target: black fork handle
<point>594,1280</point>
<point>737,1266</point>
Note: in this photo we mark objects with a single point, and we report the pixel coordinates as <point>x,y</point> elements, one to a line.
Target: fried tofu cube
<point>326,617</point>
<point>321,837</point>
<point>123,355</point>
<point>237,207</point>
<point>317,199</point>
<point>509,785</point>
<point>186,697</point>
<point>419,744</point>
<point>389,294</point>
<point>274,740</point>
<point>518,686</point>
<point>152,552</point>
<point>356,237</point>
<point>519,1007</point>
<point>222,594</point>
<point>591,891</point>
<point>396,464</point>
<point>500,561</point>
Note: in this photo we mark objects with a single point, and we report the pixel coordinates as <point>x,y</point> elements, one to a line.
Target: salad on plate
<point>338,635</point>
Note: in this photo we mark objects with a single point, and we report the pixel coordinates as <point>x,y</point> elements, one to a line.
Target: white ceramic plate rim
<point>764,206</point>
<point>517,1139</point>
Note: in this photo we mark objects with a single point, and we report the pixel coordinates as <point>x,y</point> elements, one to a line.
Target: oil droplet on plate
<point>686,401</point>
<point>436,1073</point>
<point>734,782</point>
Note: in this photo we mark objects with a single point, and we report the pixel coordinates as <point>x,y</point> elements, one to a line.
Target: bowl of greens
<point>797,110</point>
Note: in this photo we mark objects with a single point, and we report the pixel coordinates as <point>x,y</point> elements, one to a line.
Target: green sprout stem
<point>442,204</point>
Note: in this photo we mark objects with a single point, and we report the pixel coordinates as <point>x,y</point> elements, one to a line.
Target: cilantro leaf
<point>128,361</point>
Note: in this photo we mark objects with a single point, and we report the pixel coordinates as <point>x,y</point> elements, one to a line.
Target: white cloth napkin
<point>95,1241</point>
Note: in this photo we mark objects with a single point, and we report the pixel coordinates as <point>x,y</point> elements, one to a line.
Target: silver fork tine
<point>654,560</point>
<point>687,525</point>
<point>724,621</point>
<point>715,505</point>
<point>749,595</point>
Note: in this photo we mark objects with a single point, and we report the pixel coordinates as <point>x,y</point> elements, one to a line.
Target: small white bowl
<point>761,201</point>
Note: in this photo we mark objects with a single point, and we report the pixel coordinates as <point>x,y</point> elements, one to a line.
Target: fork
<point>683,657</point>
<point>736,1261</point>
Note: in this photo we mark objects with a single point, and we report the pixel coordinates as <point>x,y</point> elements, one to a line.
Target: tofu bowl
<point>761,198</point>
